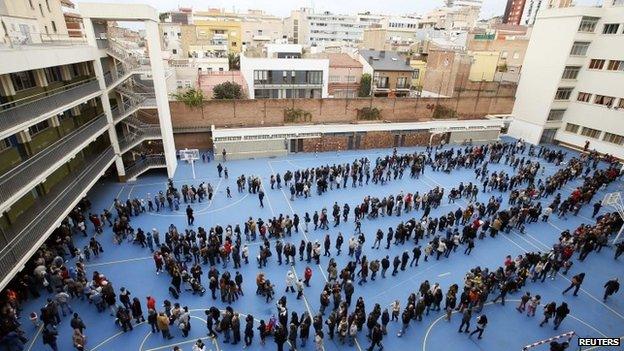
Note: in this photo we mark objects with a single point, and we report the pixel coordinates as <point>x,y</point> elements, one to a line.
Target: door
<point>397,140</point>
<point>292,145</point>
<point>548,136</point>
<point>299,145</point>
<point>358,140</point>
<point>350,142</point>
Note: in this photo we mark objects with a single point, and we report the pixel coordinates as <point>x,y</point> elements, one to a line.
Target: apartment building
<point>306,27</point>
<point>345,74</point>
<point>513,11</point>
<point>391,72</point>
<point>576,94</point>
<point>279,77</point>
<point>69,111</point>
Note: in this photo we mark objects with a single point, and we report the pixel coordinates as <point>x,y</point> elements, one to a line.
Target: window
<point>571,72</point>
<point>579,48</point>
<point>590,132</point>
<point>613,138</point>
<point>314,77</point>
<point>610,28</point>
<point>563,94</point>
<point>416,73</point>
<point>588,24</point>
<point>504,54</point>
<point>5,144</point>
<point>53,26</point>
<point>556,115</point>
<point>621,103</point>
<point>41,10</point>
<point>39,127</point>
<point>401,83</point>
<point>596,64</point>
<point>53,74</point>
<point>334,79</point>
<point>261,77</point>
<point>174,51</point>
<point>23,80</point>
<point>31,4</point>
<point>48,5</point>
<point>615,65</point>
<point>516,55</point>
<point>75,70</point>
<point>604,100</point>
<point>572,128</point>
<point>583,97</point>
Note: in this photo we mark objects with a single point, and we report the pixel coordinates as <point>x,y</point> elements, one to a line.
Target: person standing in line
<point>189,215</point>
<point>465,320</point>
<point>560,313</point>
<point>162,321</point>
<point>549,311</point>
<point>49,336</point>
<point>261,197</point>
<point>481,324</point>
<point>376,337</point>
<point>576,283</point>
<point>611,287</point>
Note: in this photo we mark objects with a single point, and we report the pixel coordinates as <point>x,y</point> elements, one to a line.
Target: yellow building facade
<point>484,65</point>
<point>219,32</point>
<point>419,73</point>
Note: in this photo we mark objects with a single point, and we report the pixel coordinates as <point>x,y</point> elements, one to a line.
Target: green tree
<point>234,61</point>
<point>192,97</point>
<point>365,85</point>
<point>227,90</point>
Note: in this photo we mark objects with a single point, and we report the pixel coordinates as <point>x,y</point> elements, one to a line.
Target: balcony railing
<point>16,113</point>
<point>16,182</point>
<point>144,164</point>
<point>131,140</point>
<point>47,212</point>
<point>131,106</point>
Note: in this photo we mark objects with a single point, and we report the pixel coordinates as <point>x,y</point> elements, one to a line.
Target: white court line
<point>566,278</point>
<point>130,192</point>
<point>144,340</point>
<point>444,274</point>
<point>116,197</point>
<point>406,280</point>
<point>119,261</point>
<point>32,343</point>
<point>424,344</point>
<point>112,337</point>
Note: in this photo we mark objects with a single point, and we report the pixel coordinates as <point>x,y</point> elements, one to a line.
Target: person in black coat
<point>279,336</point>
<point>611,287</point>
<point>249,330</point>
<point>376,337</point>
<point>560,313</point>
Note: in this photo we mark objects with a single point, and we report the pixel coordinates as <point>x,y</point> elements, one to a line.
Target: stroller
<point>197,287</point>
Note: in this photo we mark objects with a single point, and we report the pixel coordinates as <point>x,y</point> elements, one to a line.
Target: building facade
<point>70,114</point>
<point>390,71</point>
<point>576,94</point>
<point>285,78</point>
<point>514,11</point>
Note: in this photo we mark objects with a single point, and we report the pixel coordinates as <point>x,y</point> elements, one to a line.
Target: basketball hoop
<point>614,200</point>
<point>190,156</point>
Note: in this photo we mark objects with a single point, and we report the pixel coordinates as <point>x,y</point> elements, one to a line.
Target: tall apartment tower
<point>69,115</point>
<point>570,90</point>
<point>514,11</point>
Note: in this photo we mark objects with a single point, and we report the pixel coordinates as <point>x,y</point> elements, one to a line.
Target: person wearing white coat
<point>290,281</point>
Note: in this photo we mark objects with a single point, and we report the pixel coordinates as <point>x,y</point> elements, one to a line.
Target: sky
<point>282,7</point>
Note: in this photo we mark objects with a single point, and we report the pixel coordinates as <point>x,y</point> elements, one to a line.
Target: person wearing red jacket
<point>307,275</point>
<point>151,303</point>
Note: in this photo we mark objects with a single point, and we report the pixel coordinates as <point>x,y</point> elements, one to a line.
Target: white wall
<point>249,65</point>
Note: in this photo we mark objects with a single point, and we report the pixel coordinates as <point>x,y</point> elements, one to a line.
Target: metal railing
<point>41,218</point>
<point>131,140</point>
<point>131,106</point>
<point>144,164</point>
<point>16,113</point>
<point>14,40</point>
<point>18,179</point>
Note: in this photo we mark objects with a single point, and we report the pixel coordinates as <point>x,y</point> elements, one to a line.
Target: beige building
<point>32,21</point>
<point>259,28</point>
<point>345,74</point>
<point>392,39</point>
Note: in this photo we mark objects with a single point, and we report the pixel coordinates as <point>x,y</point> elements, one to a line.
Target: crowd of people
<point>183,254</point>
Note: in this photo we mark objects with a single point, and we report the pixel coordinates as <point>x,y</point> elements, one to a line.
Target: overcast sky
<point>282,7</point>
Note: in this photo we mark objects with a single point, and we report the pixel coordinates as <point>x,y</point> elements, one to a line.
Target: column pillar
<point>162,97</point>
<point>65,73</point>
<point>99,73</point>
<point>24,139</point>
<point>40,78</point>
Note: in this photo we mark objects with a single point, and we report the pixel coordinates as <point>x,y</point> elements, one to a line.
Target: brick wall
<point>325,143</point>
<point>201,141</point>
<point>250,113</point>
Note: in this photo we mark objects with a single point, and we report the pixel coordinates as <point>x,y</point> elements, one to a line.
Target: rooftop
<point>337,59</point>
<point>386,60</point>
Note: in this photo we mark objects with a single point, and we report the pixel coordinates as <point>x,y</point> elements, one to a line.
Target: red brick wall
<point>249,113</point>
<point>201,140</point>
